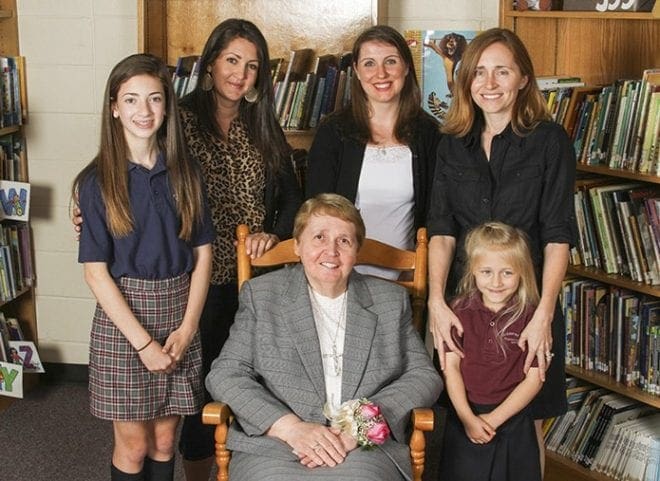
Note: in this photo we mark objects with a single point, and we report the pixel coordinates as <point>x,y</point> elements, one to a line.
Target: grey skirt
<point>120,386</point>
<point>359,465</point>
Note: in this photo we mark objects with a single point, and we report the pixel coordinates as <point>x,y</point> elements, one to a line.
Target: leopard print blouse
<point>235,177</point>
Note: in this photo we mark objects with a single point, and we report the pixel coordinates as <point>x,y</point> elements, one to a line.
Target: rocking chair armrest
<point>216,413</point>
<point>422,419</point>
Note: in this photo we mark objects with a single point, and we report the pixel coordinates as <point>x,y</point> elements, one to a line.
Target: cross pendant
<point>336,360</point>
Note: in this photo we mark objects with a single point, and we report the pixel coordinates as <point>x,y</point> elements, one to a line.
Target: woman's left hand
<point>177,343</point>
<point>313,443</point>
<point>349,443</point>
<point>537,339</point>
<point>257,244</point>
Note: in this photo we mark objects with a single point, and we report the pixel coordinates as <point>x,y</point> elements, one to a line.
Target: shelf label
<point>15,200</point>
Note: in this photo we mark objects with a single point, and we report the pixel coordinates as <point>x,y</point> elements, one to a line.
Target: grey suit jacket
<point>271,364</point>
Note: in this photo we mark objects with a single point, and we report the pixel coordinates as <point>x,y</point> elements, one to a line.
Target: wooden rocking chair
<point>373,253</point>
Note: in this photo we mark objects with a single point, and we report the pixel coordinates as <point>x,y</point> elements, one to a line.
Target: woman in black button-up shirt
<point>503,159</point>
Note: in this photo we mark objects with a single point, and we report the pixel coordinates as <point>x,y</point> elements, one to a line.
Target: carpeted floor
<point>50,436</point>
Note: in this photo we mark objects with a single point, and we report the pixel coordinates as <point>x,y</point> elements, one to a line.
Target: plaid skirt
<point>120,386</point>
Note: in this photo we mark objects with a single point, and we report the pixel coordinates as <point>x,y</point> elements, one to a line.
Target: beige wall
<point>70,47</point>
<point>443,14</point>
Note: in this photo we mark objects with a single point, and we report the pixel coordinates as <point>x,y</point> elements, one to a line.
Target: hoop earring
<point>252,95</point>
<point>207,82</point>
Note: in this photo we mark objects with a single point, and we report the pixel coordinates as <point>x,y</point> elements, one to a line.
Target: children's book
<point>25,353</point>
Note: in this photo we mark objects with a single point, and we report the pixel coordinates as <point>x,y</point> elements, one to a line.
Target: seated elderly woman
<point>311,343</point>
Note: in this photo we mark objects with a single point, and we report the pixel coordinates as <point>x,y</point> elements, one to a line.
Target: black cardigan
<point>335,160</point>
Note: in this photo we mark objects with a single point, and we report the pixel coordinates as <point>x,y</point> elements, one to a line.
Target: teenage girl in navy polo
<point>147,258</point>
<point>490,433</point>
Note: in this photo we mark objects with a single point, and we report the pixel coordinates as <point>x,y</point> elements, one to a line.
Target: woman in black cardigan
<point>379,152</point>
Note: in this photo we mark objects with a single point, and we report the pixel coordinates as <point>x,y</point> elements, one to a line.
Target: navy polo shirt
<point>153,249</point>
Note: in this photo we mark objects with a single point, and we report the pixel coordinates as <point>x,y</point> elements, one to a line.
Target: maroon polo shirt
<point>490,370</point>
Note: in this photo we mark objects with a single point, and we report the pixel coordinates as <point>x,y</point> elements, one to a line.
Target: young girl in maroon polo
<point>490,435</point>
<point>146,251</point>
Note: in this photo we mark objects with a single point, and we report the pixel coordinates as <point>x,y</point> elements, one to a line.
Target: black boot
<point>118,475</point>
<point>158,470</point>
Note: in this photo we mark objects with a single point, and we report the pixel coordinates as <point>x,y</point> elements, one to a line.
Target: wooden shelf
<point>598,47</point>
<point>559,468</point>
<point>12,129</point>
<point>607,382</point>
<point>25,290</point>
<point>22,306</point>
<point>507,10</point>
<point>621,173</point>
<point>588,44</point>
<point>614,279</point>
<point>582,15</point>
<point>300,139</point>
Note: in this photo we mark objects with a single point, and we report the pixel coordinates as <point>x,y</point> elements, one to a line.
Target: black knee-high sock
<point>158,470</point>
<point>118,475</point>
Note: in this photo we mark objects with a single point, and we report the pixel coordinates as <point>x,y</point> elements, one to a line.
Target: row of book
<point>618,228</point>
<point>309,86</point>
<point>10,330</point>
<point>12,91</point>
<point>185,75</point>
<point>16,266</point>
<point>607,433</point>
<point>615,125</point>
<point>13,161</point>
<point>612,331</point>
<point>306,86</point>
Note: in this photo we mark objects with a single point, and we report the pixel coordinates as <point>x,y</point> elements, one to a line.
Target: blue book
<point>327,102</point>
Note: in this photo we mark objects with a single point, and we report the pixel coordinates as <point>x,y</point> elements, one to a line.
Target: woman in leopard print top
<point>231,130</point>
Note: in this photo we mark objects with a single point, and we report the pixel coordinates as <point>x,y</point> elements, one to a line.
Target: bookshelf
<point>326,27</point>
<point>22,305</point>
<point>600,48</point>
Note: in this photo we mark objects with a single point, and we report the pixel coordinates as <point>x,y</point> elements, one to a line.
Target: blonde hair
<point>512,243</point>
<point>333,205</point>
<point>529,108</point>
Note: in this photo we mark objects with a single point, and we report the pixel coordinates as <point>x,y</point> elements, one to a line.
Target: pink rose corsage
<point>363,420</point>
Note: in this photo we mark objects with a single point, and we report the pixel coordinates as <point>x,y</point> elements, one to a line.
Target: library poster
<point>11,379</point>
<point>15,200</point>
<point>439,53</point>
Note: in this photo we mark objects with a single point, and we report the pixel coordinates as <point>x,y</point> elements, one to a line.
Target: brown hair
<point>110,161</point>
<point>529,108</point>
<point>259,117</point>
<point>333,205</point>
<point>410,98</point>
<point>513,244</point>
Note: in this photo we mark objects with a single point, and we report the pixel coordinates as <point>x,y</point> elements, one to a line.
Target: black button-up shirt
<point>528,183</point>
